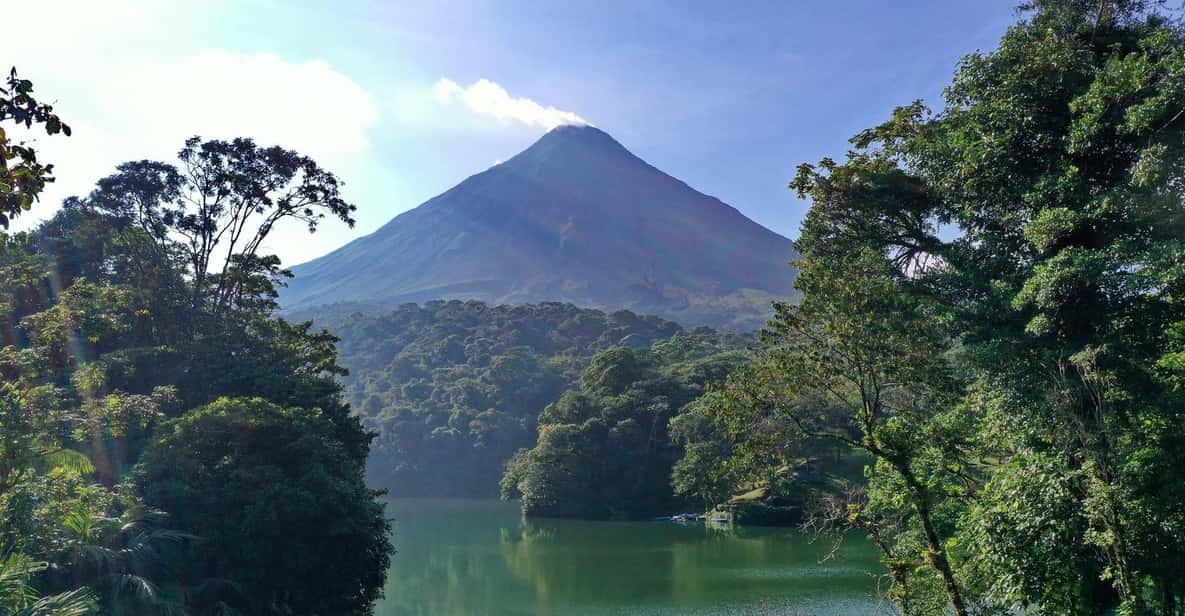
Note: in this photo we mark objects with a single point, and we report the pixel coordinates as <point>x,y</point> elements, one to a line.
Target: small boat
<point>683,518</point>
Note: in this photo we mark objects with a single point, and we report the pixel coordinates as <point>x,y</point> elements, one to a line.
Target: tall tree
<point>219,205</point>
<point>1055,171</point>
<point>860,363</point>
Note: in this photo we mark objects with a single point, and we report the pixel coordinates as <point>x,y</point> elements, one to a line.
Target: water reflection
<point>480,557</point>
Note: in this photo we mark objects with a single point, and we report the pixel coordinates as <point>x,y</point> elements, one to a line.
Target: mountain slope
<point>575,217</point>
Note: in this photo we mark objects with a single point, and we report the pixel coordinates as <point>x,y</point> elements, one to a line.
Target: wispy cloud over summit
<point>484,97</point>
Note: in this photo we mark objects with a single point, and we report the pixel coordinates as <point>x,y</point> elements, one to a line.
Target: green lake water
<point>473,557</point>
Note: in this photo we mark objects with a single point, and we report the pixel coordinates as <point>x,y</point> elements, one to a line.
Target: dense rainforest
<point>167,445</point>
<point>577,412</point>
<point>454,389</point>
<point>604,449</point>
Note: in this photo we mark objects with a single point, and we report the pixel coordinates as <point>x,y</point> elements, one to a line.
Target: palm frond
<point>140,592</point>
<point>77,602</point>
<point>138,586</point>
<point>19,599</point>
<point>15,570</point>
<point>68,459</point>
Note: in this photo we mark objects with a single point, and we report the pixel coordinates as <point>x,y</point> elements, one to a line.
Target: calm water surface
<point>473,557</point>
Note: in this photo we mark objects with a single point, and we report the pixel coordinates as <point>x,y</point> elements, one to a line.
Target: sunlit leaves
<point>1057,163</point>
<point>19,598</point>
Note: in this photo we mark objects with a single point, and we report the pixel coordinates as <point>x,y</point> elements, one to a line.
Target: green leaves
<point>1172,363</point>
<point>68,459</point>
<point>1052,227</point>
<point>22,177</point>
<point>279,506</point>
<point>1057,164</point>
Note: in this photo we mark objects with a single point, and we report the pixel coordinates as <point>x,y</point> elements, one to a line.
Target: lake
<point>473,557</point>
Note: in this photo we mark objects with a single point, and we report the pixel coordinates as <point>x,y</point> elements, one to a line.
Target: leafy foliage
<point>247,476</point>
<point>22,177</point>
<point>20,599</point>
<point>604,449</point>
<point>218,207</point>
<point>859,364</point>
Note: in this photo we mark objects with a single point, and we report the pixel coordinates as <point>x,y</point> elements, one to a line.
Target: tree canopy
<point>455,388</point>
<point>247,476</point>
<point>604,449</point>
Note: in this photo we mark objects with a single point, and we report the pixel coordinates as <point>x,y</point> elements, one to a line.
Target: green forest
<point>572,411</point>
<point>983,376</point>
<point>167,445</point>
<point>453,389</point>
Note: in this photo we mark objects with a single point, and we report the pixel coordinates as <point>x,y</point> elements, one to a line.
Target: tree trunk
<point>938,558</point>
<point>100,458</point>
<point>120,459</point>
<point>921,505</point>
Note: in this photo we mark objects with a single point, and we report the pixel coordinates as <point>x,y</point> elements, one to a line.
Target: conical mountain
<point>575,217</point>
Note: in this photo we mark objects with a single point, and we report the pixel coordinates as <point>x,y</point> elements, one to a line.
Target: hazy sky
<point>404,99</point>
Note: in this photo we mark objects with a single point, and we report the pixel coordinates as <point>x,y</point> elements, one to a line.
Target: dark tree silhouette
<point>22,177</point>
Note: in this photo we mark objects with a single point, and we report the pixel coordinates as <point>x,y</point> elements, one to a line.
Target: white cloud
<point>147,109</point>
<point>136,78</point>
<point>301,105</point>
<point>484,97</point>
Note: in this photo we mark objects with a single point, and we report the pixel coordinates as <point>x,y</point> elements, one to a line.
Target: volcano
<point>576,217</point>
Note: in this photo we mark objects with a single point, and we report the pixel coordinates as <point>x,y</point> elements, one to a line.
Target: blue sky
<point>728,96</point>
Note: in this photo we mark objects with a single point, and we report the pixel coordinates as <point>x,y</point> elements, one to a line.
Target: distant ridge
<point>576,217</point>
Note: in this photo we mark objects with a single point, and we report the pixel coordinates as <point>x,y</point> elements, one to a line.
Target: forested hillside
<point>455,388</point>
